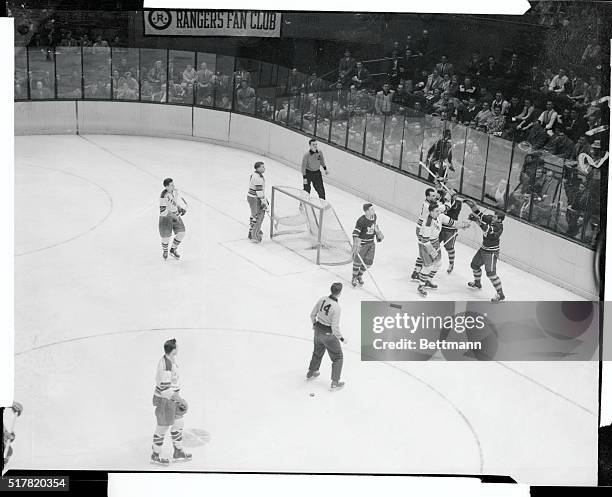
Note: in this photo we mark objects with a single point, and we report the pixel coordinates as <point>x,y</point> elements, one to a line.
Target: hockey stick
<point>435,176</point>
<point>372,277</point>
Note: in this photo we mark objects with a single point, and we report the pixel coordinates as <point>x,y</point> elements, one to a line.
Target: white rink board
<point>554,259</point>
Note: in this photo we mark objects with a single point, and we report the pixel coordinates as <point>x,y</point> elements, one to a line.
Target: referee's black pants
<point>315,178</point>
<point>324,340</point>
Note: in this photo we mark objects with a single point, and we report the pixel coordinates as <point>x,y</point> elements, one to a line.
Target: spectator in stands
<point>155,74</point>
<point>558,82</point>
<point>176,91</point>
<point>514,109</point>
<point>491,71</point>
<point>226,103</point>
<point>499,102</point>
<point>575,125</point>
<point>100,43</point>
<point>393,70</point>
<point>85,41</point>
<point>483,115</point>
<point>395,50</point>
<point>124,92</point>
<point>204,74</point>
<point>576,209</point>
<point>559,144</point>
<point>443,106</point>
<point>496,123</point>
<point>537,136</point>
<point>484,95</point>
<point>295,82</point>
<point>468,113</point>
<point>68,40</point>
<point>116,42</point>
<point>593,91</point>
<point>545,202</point>
<point>548,77</point>
<point>577,95</point>
<point>446,82</point>
<point>474,66</point>
<point>245,98</point>
<point>423,48</point>
<point>467,90</point>
<point>131,81</point>
<point>453,88</point>
<point>161,95</point>
<point>534,82</point>
<point>314,83</point>
<point>410,64</point>
<point>146,92</point>
<point>286,115</point>
<point>548,118</point>
<point>362,77</point>
<point>190,76</point>
<point>40,91</point>
<point>525,119</point>
<point>383,102</point>
<point>434,81</point>
<point>409,45</point>
<point>444,67</point>
<point>513,72</point>
<point>346,67</point>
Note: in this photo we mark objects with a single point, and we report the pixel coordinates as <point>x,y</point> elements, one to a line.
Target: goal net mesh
<point>309,226</point>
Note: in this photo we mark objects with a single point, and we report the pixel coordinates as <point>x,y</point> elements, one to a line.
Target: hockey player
<point>448,235</point>
<point>366,230</point>
<point>8,436</point>
<point>325,318</point>
<point>312,162</point>
<point>487,255</point>
<point>256,197</point>
<point>431,196</point>
<point>171,209</point>
<point>429,245</point>
<point>440,158</point>
<point>169,407</point>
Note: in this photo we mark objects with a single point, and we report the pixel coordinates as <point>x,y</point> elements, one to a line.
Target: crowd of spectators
<point>554,115</point>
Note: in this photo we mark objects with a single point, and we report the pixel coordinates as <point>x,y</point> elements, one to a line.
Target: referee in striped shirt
<point>325,317</point>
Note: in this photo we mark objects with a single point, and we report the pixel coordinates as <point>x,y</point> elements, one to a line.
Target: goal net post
<point>309,226</point>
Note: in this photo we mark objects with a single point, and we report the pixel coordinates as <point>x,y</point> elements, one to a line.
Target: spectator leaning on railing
<point>384,98</point>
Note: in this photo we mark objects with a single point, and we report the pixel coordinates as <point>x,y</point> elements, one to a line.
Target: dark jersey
<point>491,231</point>
<point>453,212</point>
<point>364,229</point>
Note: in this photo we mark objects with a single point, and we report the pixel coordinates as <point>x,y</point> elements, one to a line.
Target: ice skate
<point>422,291</point>
<point>430,285</point>
<point>157,459</point>
<point>174,253</point>
<point>165,255</point>
<point>359,280</point>
<point>415,276</point>
<point>476,285</point>
<point>180,455</point>
<point>450,268</point>
<point>499,297</point>
<point>354,281</point>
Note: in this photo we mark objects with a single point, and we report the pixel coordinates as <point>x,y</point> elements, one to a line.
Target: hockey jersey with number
<point>327,312</point>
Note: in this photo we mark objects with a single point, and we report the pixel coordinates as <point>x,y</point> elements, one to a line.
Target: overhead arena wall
<point>544,254</point>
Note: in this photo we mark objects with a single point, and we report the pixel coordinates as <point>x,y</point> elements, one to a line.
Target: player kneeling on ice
<point>429,245</point>
<point>256,197</point>
<point>171,209</point>
<point>169,407</point>
<point>366,230</point>
<point>325,317</point>
<point>488,253</point>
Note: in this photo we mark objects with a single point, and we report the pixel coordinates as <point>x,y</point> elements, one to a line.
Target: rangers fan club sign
<point>212,23</point>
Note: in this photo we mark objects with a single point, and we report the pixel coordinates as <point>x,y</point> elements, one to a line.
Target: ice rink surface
<point>94,303</point>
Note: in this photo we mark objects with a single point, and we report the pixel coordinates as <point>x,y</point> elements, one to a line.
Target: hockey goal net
<point>309,226</point>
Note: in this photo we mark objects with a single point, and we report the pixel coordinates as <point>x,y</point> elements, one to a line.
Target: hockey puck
<point>312,394</point>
